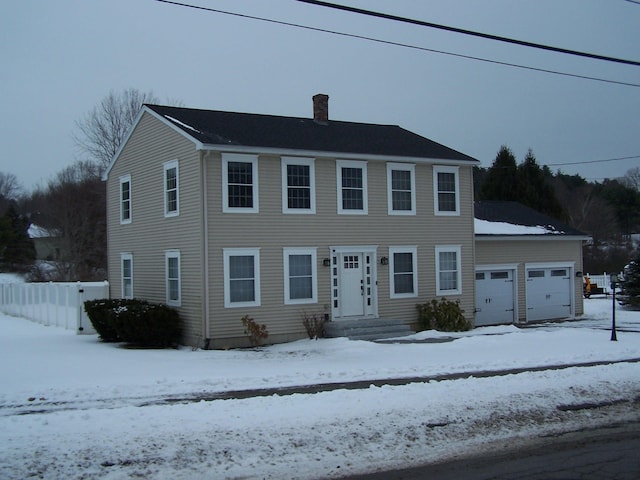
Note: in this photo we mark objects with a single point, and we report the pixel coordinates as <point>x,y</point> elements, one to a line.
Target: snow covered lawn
<point>72,407</point>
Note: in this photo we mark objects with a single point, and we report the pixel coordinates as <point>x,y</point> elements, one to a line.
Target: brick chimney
<point>321,108</point>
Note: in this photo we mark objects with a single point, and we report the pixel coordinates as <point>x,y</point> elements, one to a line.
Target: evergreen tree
<point>631,284</point>
<point>501,182</point>
<point>535,191</point>
<point>479,177</point>
<point>17,251</point>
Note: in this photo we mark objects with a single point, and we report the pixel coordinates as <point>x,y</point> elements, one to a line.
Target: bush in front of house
<point>102,314</point>
<point>314,325</point>
<point>136,322</point>
<point>149,325</point>
<point>255,332</point>
<point>442,315</point>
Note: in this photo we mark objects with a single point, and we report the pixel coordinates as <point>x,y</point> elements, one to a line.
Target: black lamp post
<point>614,280</point>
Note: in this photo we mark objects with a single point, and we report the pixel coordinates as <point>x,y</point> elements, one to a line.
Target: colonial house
<point>528,265</point>
<point>226,214</point>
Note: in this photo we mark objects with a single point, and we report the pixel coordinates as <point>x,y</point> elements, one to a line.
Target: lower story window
<point>448,272</point>
<point>172,268</point>
<point>403,272</point>
<point>241,277</point>
<point>126,269</point>
<point>300,274</point>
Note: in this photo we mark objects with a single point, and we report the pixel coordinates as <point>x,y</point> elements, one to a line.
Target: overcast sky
<point>60,58</point>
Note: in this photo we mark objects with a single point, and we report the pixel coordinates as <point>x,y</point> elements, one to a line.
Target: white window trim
<point>314,274</point>
<point>408,167</point>
<point>458,251</point>
<point>340,164</point>
<point>166,167</point>
<point>167,255</point>
<point>436,204</point>
<point>243,158</point>
<point>414,256</point>
<point>309,162</point>
<point>123,257</point>
<point>124,221</point>
<point>233,252</point>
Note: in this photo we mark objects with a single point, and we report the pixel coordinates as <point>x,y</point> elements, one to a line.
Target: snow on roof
<point>36,231</point>
<point>182,124</point>
<point>485,227</point>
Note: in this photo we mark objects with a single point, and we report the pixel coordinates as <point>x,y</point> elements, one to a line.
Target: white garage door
<point>494,297</point>
<point>548,293</point>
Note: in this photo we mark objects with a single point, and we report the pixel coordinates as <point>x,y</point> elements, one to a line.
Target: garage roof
<point>496,218</point>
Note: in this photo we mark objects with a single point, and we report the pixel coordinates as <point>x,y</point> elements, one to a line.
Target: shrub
<point>137,322</point>
<point>443,315</point>
<point>630,285</point>
<point>148,325</point>
<point>102,315</point>
<point>255,332</point>
<point>314,324</point>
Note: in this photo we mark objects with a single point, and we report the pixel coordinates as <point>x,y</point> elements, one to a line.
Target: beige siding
<point>150,234</point>
<point>271,230</point>
<point>522,252</point>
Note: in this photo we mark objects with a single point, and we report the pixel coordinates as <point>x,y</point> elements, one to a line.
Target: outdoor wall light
<point>326,262</point>
<point>578,274</point>
<point>384,261</point>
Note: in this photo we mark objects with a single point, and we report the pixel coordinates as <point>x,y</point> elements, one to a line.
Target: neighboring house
<point>528,265</point>
<point>47,243</point>
<point>225,214</point>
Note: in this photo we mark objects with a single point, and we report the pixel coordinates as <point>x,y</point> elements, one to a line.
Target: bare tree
<point>631,179</point>
<point>586,211</point>
<point>73,208</point>
<point>10,188</point>
<point>103,128</point>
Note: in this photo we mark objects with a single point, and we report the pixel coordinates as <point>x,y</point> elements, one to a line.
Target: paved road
<point>602,454</point>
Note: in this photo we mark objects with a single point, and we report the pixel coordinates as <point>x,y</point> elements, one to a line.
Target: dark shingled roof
<point>518,214</point>
<point>212,127</point>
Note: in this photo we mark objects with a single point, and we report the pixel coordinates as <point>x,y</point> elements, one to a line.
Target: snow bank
<point>71,406</point>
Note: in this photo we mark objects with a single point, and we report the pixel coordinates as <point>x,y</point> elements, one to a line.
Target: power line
<point>398,44</point>
<point>593,161</point>
<point>488,36</point>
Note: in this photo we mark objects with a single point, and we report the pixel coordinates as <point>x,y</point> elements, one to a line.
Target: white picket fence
<point>60,304</point>
<point>603,281</point>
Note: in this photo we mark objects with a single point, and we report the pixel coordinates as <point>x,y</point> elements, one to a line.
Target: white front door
<point>352,284</point>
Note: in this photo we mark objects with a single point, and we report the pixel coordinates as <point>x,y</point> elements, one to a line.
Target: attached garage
<point>528,265</point>
<point>495,295</point>
<point>548,291</point>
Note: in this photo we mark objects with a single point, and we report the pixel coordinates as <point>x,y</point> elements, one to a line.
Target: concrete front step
<point>367,329</point>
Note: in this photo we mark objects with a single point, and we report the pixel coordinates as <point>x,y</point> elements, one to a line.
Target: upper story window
<point>298,185</point>
<point>172,277</point>
<point>239,183</point>
<point>352,187</point>
<point>401,189</point>
<point>448,271</point>
<point>126,272</point>
<point>403,272</point>
<point>446,190</point>
<point>241,277</point>
<point>171,185</point>
<point>125,199</point>
<point>300,275</point>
